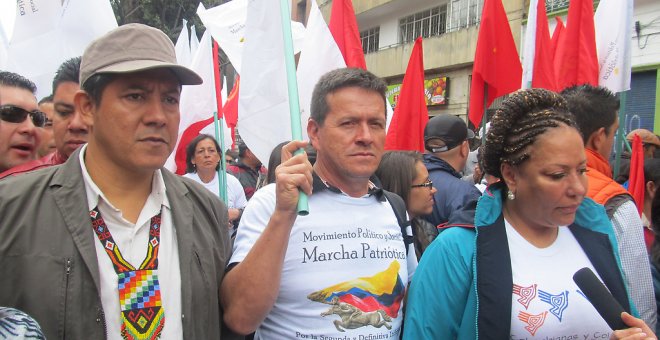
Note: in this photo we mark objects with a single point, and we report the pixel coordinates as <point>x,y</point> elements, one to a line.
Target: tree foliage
<point>166,15</point>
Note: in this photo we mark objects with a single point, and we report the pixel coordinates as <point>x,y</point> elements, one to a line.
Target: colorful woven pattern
<point>138,289</point>
<point>141,306</point>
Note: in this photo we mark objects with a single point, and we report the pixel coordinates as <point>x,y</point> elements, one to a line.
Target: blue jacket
<point>453,193</point>
<point>445,301</point>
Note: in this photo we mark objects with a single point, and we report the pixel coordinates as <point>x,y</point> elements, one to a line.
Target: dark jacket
<point>453,193</point>
<point>48,263</point>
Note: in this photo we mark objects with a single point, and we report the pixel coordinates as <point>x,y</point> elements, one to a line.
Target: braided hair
<point>523,117</point>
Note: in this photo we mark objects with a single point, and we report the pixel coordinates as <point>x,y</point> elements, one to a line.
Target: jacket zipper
<point>66,292</point>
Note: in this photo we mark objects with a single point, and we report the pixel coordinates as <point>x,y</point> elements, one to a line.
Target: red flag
<point>556,35</point>
<point>187,136</point>
<point>406,130</point>
<point>217,77</point>
<point>636,179</point>
<point>344,29</point>
<point>231,108</point>
<point>496,60</point>
<point>576,61</point>
<point>544,71</point>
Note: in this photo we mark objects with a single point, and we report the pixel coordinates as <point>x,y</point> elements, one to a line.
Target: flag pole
<point>621,138</point>
<point>484,116</point>
<point>222,173</point>
<point>292,86</point>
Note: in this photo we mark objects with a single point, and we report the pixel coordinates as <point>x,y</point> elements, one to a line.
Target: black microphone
<point>600,298</point>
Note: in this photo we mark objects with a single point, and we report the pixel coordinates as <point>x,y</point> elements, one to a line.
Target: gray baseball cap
<point>133,48</point>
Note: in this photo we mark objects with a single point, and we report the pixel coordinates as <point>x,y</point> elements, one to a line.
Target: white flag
<point>182,46</point>
<point>263,102</point>
<point>529,49</point>
<point>47,33</point>
<point>194,41</point>
<point>83,21</point>
<point>197,102</point>
<point>227,25</point>
<point>34,51</point>
<point>613,23</point>
<point>4,48</point>
<point>319,55</point>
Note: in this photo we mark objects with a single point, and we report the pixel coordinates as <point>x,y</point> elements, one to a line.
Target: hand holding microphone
<point>625,325</point>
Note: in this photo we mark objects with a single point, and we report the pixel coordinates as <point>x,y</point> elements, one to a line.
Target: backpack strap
<point>400,212</point>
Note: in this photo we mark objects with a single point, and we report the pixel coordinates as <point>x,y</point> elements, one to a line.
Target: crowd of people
<point>99,241</point>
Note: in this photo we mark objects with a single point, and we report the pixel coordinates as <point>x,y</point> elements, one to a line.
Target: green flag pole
<point>621,139</point>
<point>292,86</point>
<point>222,173</point>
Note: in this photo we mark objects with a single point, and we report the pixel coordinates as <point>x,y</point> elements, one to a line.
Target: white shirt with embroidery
<point>132,242</point>
<point>546,302</point>
<point>345,270</point>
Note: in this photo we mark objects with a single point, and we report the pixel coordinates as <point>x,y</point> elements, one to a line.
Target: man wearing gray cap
<point>446,142</point>
<point>109,244</point>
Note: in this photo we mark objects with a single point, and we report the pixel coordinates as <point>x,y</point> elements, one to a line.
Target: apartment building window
<point>555,5</point>
<point>428,23</point>
<point>464,13</point>
<point>369,40</point>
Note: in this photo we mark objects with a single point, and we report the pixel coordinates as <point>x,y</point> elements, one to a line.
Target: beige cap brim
<point>185,75</point>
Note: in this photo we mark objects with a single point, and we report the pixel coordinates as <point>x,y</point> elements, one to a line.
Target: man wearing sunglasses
<point>19,121</point>
<point>446,142</point>
<point>68,128</point>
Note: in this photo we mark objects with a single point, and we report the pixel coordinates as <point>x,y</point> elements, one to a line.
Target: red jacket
<point>51,159</point>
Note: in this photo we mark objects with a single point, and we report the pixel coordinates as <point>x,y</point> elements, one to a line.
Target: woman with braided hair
<point>509,274</point>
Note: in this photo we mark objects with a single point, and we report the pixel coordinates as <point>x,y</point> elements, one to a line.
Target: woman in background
<point>509,276</point>
<point>403,173</point>
<point>202,165</point>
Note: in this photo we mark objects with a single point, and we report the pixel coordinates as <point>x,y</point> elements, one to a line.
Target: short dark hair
<point>276,159</point>
<point>46,99</point>
<point>518,123</point>
<point>190,151</point>
<point>95,85</point>
<point>652,171</point>
<point>68,71</point>
<point>397,171</point>
<point>339,79</point>
<point>593,107</point>
<point>12,79</point>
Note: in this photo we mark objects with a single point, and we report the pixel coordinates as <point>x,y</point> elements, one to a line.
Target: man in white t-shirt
<point>341,271</point>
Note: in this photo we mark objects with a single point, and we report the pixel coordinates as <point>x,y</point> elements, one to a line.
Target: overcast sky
<point>7,15</point>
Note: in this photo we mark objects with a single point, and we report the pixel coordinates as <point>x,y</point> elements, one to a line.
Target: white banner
<point>613,23</point>
<point>182,46</point>
<point>47,33</point>
<point>227,25</point>
<point>263,104</point>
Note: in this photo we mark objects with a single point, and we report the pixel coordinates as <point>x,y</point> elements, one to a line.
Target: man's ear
<point>313,132</point>
<point>650,187</point>
<point>597,139</point>
<point>509,176</point>
<point>85,105</point>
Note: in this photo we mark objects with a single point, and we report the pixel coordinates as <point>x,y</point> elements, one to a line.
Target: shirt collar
<point>158,190</point>
<point>374,187</point>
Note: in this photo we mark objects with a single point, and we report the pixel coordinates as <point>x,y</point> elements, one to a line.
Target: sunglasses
<point>427,184</point>
<point>15,114</point>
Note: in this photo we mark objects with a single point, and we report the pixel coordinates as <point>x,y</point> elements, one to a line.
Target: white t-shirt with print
<point>235,194</point>
<point>345,270</point>
<point>546,302</point>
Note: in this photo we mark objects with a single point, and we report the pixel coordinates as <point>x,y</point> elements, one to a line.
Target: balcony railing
<point>555,5</point>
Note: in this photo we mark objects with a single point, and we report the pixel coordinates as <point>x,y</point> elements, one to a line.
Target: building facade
<point>450,29</point>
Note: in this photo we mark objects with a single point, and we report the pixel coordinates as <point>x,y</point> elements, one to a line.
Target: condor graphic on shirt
<point>365,301</point>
